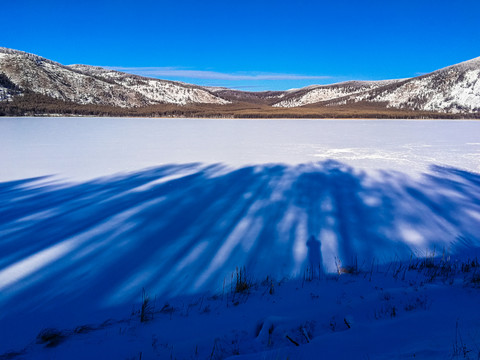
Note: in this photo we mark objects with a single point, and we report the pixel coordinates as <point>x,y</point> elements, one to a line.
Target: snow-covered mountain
<point>84,84</point>
<point>454,89</point>
<point>318,93</point>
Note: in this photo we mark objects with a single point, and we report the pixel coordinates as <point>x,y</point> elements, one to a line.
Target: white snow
<point>62,82</point>
<point>454,89</point>
<point>77,253</point>
<point>101,146</point>
<point>154,90</point>
<point>318,93</point>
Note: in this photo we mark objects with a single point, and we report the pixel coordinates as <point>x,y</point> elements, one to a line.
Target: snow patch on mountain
<point>155,90</point>
<point>319,93</point>
<point>454,89</point>
<point>92,85</point>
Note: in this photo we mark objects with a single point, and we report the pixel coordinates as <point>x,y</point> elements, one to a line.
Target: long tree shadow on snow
<point>185,228</point>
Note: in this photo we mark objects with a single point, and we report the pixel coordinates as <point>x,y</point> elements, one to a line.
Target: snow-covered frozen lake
<point>84,148</point>
<point>182,203</point>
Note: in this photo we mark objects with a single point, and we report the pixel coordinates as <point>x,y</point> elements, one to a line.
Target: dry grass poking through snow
<point>424,308</point>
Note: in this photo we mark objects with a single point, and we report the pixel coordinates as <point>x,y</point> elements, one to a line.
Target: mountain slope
<point>260,97</point>
<point>454,89</point>
<point>153,90</point>
<point>442,93</point>
<point>318,93</point>
<point>91,85</point>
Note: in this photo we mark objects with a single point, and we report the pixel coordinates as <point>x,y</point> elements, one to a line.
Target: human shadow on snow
<point>185,228</point>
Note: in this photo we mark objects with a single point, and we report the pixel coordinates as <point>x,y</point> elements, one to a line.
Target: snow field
<point>371,255</point>
<point>80,254</point>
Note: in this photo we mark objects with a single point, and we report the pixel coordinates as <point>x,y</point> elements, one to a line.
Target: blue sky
<point>251,45</point>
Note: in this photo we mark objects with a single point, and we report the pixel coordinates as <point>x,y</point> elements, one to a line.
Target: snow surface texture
<point>75,255</point>
<point>86,148</point>
<point>91,85</point>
